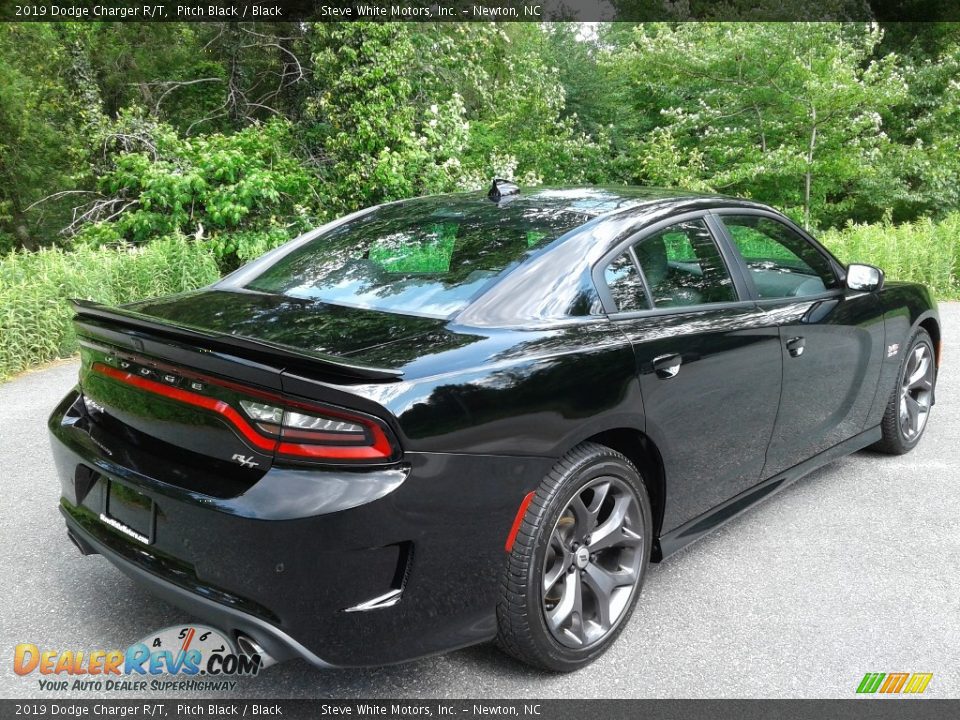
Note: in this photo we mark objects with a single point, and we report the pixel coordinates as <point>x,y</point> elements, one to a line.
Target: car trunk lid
<point>211,397</point>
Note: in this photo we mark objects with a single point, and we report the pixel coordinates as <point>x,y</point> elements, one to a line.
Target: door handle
<point>795,346</point>
<point>667,366</point>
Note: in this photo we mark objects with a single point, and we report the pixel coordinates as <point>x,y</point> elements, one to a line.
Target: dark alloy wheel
<point>592,563</point>
<point>907,412</point>
<point>578,562</point>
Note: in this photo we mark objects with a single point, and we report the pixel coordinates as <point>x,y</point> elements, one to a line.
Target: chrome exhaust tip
<point>248,646</point>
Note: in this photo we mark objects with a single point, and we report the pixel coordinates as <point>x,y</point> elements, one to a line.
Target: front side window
<point>682,266</point>
<point>782,262</point>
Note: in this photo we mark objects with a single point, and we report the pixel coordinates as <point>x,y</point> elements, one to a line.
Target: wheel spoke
<point>920,373</point>
<point>551,577</point>
<point>557,541</point>
<point>582,516</point>
<point>911,364</point>
<point>600,493</point>
<point>602,584</point>
<point>569,609</point>
<point>913,414</point>
<point>611,532</point>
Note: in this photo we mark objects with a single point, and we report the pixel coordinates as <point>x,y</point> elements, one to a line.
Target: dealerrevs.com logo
<point>899,683</point>
<point>189,657</point>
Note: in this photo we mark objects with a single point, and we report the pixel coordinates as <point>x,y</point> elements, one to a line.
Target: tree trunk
<point>763,135</point>
<point>808,176</point>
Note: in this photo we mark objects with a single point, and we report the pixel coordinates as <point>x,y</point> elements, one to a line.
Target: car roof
<point>593,201</point>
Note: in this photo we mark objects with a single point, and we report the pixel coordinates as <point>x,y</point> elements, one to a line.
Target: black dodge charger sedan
<point>446,420</point>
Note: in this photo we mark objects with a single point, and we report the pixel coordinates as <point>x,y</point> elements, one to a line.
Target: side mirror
<point>864,278</point>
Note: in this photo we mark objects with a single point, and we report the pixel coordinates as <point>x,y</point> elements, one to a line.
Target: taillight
<point>292,429</point>
<point>319,433</point>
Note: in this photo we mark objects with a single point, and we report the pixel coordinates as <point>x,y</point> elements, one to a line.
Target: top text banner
<point>476,10</point>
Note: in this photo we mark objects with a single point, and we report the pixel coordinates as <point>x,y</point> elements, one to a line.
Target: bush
<point>35,319</point>
<point>221,188</point>
<point>35,322</point>
<point>923,251</point>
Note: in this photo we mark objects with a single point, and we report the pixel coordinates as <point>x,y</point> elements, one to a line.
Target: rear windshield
<point>418,257</point>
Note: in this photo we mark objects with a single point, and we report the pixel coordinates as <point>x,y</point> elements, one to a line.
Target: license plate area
<point>129,511</point>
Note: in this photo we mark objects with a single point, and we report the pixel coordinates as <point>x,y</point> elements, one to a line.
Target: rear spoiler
<point>281,355</point>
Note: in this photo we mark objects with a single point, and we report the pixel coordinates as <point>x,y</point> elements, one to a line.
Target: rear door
<point>831,341</point>
<point>709,367</point>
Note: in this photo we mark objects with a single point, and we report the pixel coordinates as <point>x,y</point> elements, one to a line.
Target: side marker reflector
<point>518,521</point>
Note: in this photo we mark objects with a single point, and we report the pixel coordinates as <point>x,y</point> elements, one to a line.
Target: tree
<point>788,114</point>
<point>41,119</point>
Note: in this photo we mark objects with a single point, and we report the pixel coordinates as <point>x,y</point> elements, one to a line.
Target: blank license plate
<point>130,512</point>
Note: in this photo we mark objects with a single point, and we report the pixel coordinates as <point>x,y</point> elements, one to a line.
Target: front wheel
<point>578,561</point>
<point>906,415</point>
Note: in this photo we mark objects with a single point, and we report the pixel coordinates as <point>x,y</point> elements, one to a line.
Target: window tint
<point>417,257</point>
<point>625,284</point>
<point>682,266</point>
<point>782,263</point>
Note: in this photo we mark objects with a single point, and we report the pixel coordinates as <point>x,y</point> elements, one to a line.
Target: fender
<point>907,306</point>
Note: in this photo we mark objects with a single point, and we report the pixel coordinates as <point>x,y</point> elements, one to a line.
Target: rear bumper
<point>277,643</point>
<point>286,561</point>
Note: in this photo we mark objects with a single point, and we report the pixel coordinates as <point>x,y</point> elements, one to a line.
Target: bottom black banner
<point>860,709</point>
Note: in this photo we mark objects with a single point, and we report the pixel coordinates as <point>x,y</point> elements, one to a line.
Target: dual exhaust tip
<point>250,647</point>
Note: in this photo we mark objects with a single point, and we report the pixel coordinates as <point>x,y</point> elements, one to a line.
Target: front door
<point>831,341</point>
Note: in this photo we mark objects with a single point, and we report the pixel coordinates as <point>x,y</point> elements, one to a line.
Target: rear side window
<point>678,266</point>
<point>682,266</point>
<point>782,262</point>
<point>625,284</point>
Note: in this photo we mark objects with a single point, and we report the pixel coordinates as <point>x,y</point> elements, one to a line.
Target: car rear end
<point>241,449</point>
<point>268,502</point>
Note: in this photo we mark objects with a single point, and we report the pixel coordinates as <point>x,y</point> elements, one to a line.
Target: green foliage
<point>40,123</point>
<point>35,322</point>
<point>387,136</point>
<point>242,135</point>
<point>247,181</point>
<point>432,256</point>
<point>923,251</point>
<point>784,113</point>
<point>405,110</point>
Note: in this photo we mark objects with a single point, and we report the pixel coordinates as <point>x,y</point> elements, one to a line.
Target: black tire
<point>898,439</point>
<point>576,484</point>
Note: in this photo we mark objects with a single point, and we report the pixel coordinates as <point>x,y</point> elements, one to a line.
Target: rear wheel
<point>906,415</point>
<point>578,562</point>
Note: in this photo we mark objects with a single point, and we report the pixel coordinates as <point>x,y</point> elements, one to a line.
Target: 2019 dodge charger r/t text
<point>451,419</point>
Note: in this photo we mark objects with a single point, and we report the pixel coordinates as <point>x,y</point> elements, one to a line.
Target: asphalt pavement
<point>854,569</point>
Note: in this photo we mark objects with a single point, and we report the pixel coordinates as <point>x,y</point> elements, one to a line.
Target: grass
<point>35,322</point>
<point>923,251</point>
<point>35,319</point>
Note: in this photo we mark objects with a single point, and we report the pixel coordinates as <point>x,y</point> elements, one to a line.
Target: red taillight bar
<point>190,398</point>
<point>380,449</point>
